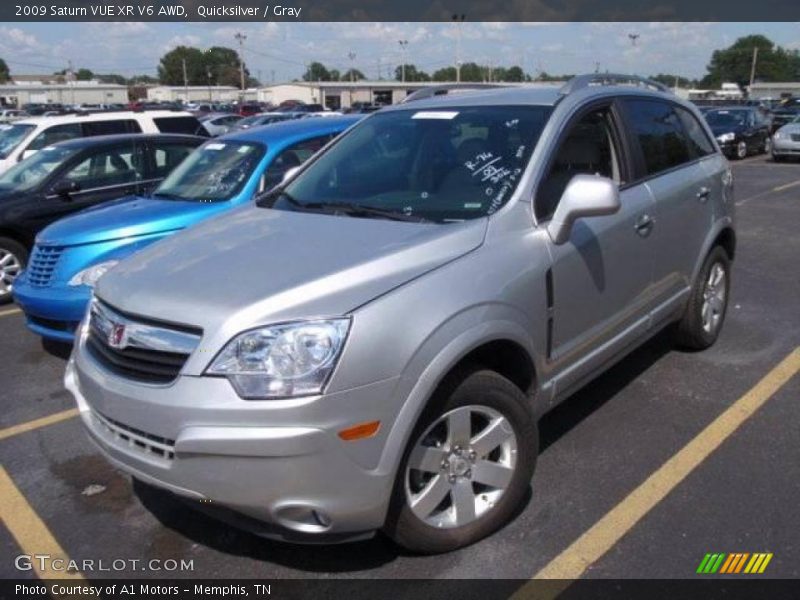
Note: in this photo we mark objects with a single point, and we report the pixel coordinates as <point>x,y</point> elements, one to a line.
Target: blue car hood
<point>128,217</point>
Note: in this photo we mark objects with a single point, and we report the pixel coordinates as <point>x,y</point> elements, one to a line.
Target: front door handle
<point>703,194</point>
<point>644,225</point>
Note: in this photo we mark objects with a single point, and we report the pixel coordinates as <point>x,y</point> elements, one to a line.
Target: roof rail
<point>448,88</point>
<point>582,81</point>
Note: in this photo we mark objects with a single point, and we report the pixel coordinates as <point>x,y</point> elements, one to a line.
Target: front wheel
<point>468,465</point>
<point>741,150</point>
<point>708,303</point>
<point>13,258</point>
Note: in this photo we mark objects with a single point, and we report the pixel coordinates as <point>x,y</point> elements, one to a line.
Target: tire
<point>694,332</point>
<point>741,150</point>
<point>777,159</point>
<point>767,147</point>
<point>493,403</point>
<point>13,258</point>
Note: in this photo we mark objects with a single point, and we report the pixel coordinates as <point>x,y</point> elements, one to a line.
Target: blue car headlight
<point>90,275</point>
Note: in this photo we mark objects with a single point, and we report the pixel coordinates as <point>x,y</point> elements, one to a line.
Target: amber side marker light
<point>360,431</point>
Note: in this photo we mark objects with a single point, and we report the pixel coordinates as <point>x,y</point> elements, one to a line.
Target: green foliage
<point>412,74</point>
<point>733,64</point>
<point>216,66</point>
<point>5,74</point>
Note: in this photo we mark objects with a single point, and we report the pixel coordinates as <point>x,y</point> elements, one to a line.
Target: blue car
<point>71,254</point>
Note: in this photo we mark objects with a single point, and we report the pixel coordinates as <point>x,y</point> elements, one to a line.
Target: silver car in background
<point>371,344</point>
<point>786,141</point>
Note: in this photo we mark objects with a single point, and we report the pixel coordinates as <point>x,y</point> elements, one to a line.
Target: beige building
<point>775,90</point>
<point>339,94</point>
<point>198,93</point>
<point>18,93</point>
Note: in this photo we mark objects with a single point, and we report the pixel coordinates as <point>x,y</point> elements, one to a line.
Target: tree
<point>112,78</point>
<point>412,74</point>
<point>222,67</point>
<point>316,71</point>
<point>445,74</point>
<point>335,75</point>
<point>5,74</point>
<point>142,80</point>
<point>84,75</point>
<point>353,75</point>
<point>733,64</point>
<point>670,80</point>
<point>171,67</point>
<point>515,74</point>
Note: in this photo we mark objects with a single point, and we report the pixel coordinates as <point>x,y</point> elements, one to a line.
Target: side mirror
<point>584,196</point>
<point>290,173</point>
<point>65,187</point>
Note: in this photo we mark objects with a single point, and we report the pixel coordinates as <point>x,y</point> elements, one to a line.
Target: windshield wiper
<point>360,210</point>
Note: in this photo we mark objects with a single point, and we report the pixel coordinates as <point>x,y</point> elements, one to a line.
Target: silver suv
<point>369,346</point>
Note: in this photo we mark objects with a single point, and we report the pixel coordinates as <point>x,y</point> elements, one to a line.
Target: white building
<point>72,92</point>
<point>198,93</point>
<point>340,94</point>
<point>775,90</point>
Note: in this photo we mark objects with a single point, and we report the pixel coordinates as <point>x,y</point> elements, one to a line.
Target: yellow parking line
<point>30,532</point>
<point>37,423</point>
<point>604,534</point>
<point>10,311</point>
<point>786,186</point>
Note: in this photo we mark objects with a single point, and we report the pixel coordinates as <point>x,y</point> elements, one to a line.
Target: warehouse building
<point>198,93</point>
<point>20,92</point>
<point>339,94</point>
<point>775,90</point>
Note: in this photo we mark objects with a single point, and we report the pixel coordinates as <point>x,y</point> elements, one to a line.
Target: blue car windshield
<point>443,164</point>
<point>33,170</point>
<point>214,172</point>
<point>11,136</point>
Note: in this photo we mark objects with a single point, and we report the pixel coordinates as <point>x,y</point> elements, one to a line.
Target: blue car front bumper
<point>53,312</point>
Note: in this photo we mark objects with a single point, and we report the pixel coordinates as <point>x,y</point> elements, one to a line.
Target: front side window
<point>588,149</point>
<point>293,156</point>
<point>11,136</point>
<point>448,164</point>
<point>56,133</point>
<point>168,155</point>
<point>699,144</point>
<point>660,135</point>
<point>118,166</point>
<point>111,127</point>
<point>214,172</point>
<point>35,169</point>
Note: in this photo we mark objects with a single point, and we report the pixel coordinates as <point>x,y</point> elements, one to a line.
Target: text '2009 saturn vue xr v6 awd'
<point>369,347</point>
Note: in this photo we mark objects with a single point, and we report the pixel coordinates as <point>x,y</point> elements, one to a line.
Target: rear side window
<point>117,166</point>
<point>699,144</point>
<point>291,157</point>
<point>55,134</point>
<point>188,125</point>
<point>111,127</point>
<point>660,134</point>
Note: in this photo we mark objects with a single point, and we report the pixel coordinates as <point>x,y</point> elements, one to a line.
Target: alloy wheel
<point>461,466</point>
<point>10,267</point>
<point>741,150</point>
<point>714,298</point>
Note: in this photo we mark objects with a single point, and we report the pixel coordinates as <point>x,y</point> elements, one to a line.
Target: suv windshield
<point>11,136</point>
<point>215,171</point>
<point>443,164</point>
<point>31,171</point>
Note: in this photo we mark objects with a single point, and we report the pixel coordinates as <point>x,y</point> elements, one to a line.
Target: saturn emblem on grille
<point>116,337</point>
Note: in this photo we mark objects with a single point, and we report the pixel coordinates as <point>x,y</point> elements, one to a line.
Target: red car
<point>248,110</point>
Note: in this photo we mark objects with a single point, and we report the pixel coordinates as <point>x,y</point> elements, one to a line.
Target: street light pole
<point>458,20</point>
<point>240,37</point>
<point>352,57</point>
<point>403,45</point>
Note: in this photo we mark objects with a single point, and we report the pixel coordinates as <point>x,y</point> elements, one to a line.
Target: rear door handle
<point>703,194</point>
<point>644,225</point>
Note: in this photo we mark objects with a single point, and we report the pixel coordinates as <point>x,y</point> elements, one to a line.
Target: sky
<point>276,52</point>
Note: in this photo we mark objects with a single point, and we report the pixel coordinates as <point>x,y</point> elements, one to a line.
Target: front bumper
<point>279,462</point>
<point>52,312</point>
<point>785,147</point>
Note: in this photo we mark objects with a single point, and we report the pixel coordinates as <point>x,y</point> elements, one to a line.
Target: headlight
<point>292,359</point>
<point>90,275</point>
<point>777,135</point>
<point>726,137</point>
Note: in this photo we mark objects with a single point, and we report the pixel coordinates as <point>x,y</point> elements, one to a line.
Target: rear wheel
<point>708,303</point>
<point>741,150</point>
<point>467,467</point>
<point>13,258</point>
<point>767,145</point>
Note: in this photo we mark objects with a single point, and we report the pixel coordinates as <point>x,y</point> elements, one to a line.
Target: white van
<point>22,138</point>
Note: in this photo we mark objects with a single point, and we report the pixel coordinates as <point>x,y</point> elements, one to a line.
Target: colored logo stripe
<point>734,562</point>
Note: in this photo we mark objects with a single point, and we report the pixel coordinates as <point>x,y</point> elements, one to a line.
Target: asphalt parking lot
<point>638,477</point>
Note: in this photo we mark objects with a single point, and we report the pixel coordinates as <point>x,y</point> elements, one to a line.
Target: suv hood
<point>256,266</point>
<point>127,217</point>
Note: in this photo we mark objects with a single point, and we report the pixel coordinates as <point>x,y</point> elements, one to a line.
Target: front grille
<point>137,439</point>
<point>796,137</point>
<point>68,326</point>
<point>42,264</point>
<point>150,353</point>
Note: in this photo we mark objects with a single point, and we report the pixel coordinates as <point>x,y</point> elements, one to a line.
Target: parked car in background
<point>786,141</point>
<point>11,114</point>
<point>740,130</point>
<point>781,116</point>
<point>218,176</point>
<point>219,123</point>
<point>24,137</point>
<point>249,109</point>
<point>71,176</point>
<point>264,119</point>
<point>371,344</point>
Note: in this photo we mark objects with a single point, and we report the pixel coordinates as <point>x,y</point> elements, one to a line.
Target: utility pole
<point>352,57</point>
<point>403,45</point>
<point>753,67</point>
<point>240,37</point>
<point>596,67</point>
<point>458,20</point>
<point>185,82</point>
